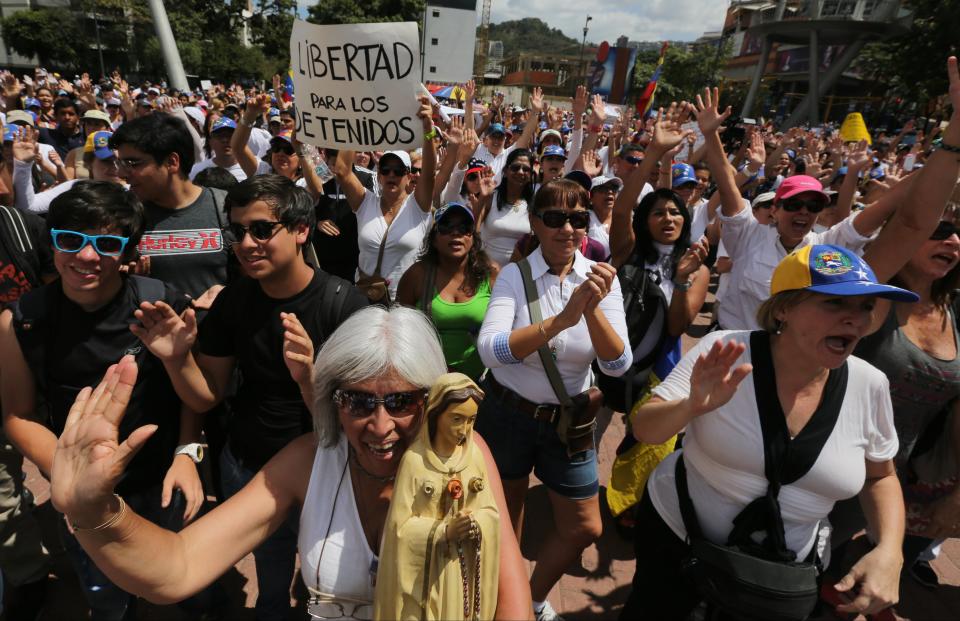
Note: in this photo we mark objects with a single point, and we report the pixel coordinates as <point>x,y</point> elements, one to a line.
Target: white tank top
<point>502,229</point>
<point>348,565</point>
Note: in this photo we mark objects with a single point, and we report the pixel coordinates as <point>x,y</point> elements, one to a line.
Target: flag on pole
<point>646,99</point>
<point>288,86</point>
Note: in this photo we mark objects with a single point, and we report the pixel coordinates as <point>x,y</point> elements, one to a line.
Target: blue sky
<point>640,20</point>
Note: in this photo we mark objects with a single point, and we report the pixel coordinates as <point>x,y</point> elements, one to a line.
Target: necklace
<point>366,473</point>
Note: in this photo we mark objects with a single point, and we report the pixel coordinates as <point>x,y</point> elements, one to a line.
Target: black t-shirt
<point>22,261</point>
<point>60,142</point>
<point>339,255</point>
<point>186,246</point>
<point>76,348</point>
<point>244,323</point>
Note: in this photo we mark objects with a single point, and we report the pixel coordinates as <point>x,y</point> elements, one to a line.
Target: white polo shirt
<point>755,250</point>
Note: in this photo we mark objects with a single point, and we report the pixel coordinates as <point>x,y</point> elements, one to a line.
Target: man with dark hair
<point>283,301</point>
<point>183,244</point>
<point>67,134</point>
<point>62,336</point>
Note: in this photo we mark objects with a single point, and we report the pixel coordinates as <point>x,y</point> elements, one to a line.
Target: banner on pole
<point>356,85</point>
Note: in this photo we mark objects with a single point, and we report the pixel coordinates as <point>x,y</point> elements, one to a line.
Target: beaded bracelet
<point>113,520</point>
<point>949,147</point>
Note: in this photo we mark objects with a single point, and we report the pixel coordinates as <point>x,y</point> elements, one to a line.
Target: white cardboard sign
<point>356,85</point>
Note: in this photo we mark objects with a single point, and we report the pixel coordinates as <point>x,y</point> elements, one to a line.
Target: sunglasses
<point>362,404</point>
<point>72,241</point>
<point>472,176</point>
<point>260,230</point>
<point>396,171</point>
<point>457,227</point>
<point>520,168</point>
<point>636,161</point>
<point>944,231</point>
<point>415,170</point>
<point>795,204</point>
<point>555,218</point>
<point>282,148</point>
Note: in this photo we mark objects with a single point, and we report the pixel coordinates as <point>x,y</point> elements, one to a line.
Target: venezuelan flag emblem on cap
<point>832,270</point>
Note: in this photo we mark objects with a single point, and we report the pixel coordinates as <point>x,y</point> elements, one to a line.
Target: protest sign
<point>854,129</point>
<point>681,156</point>
<point>356,85</point>
<point>206,85</point>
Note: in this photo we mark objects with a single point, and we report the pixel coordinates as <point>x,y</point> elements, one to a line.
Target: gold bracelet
<point>542,331</point>
<point>113,520</point>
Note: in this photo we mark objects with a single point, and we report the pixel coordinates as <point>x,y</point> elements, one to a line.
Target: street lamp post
<point>583,70</point>
<point>96,29</point>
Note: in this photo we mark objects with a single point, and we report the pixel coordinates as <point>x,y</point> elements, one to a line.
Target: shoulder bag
<point>744,578</point>
<point>374,286</point>
<point>578,414</point>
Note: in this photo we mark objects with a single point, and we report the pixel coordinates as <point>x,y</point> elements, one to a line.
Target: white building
<point>449,32</point>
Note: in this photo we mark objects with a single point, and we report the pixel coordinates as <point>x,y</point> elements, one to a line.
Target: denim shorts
<point>520,444</point>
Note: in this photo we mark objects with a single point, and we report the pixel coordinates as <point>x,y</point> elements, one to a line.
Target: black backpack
<point>18,241</point>
<point>642,300</point>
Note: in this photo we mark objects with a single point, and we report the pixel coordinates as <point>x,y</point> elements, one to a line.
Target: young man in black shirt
<point>58,338</point>
<point>67,135</point>
<point>248,327</point>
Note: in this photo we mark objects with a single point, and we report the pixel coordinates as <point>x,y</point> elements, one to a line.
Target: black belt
<point>546,412</point>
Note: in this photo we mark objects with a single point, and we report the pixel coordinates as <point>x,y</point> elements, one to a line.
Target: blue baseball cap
<point>841,172</point>
<point>496,128</point>
<point>9,135</point>
<point>791,154</point>
<point>681,174</point>
<point>32,102</point>
<point>98,143</point>
<point>878,173</point>
<point>832,270</point>
<point>451,208</point>
<point>224,122</point>
<point>554,151</point>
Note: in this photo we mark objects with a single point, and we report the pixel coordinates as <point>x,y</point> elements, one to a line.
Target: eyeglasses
<point>129,163</point>
<point>607,189</point>
<point>286,149</point>
<point>555,218</point>
<point>362,404</point>
<point>73,241</point>
<point>944,231</point>
<point>396,171</point>
<point>260,230</point>
<point>796,204</point>
<point>520,168</point>
<point>634,161</point>
<point>457,227</point>
<point>415,170</point>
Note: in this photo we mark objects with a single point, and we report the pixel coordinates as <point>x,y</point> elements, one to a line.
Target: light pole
<point>96,28</point>
<point>583,70</point>
<point>168,46</point>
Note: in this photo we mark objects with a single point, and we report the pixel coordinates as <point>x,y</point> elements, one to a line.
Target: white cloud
<point>639,20</point>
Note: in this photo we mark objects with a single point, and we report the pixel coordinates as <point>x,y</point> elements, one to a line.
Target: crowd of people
<point>200,306</point>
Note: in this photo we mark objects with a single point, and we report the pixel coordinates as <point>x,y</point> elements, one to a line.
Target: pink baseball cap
<point>798,184</point>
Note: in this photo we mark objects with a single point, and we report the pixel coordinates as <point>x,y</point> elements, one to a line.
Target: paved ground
<point>594,591</point>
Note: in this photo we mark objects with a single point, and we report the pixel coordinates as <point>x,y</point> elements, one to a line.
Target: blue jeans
<point>275,558</point>
<point>107,601</point>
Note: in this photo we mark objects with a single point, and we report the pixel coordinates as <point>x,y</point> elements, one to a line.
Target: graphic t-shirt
<point>186,246</point>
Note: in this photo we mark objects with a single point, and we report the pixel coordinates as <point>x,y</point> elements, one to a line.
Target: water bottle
<point>316,160</point>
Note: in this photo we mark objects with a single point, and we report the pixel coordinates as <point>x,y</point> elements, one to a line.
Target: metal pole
<point>96,28</point>
<point>583,45</point>
<point>828,79</point>
<point>813,105</point>
<point>168,46</point>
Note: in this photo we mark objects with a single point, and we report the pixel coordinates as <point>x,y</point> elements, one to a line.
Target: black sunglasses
<point>555,218</point>
<point>520,168</point>
<point>457,227</point>
<point>415,170</point>
<point>260,230</point>
<point>812,205</point>
<point>398,171</point>
<point>362,404</point>
<point>944,231</point>
<point>282,148</point>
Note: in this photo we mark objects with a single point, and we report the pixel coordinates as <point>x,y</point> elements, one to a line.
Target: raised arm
<point>349,183</point>
<point>530,127</point>
<point>428,170</point>
<point>913,223</point>
<point>710,119</point>
<point>241,135</point>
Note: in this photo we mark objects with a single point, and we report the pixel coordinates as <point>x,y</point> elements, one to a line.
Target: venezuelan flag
<point>646,99</point>
<point>288,86</point>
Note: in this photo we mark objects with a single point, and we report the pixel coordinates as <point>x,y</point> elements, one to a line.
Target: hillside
<point>531,34</point>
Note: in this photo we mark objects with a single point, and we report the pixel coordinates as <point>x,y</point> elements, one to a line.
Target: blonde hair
<point>774,305</point>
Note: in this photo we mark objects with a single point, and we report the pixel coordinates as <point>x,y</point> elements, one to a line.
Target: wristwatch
<point>683,286</point>
<point>245,122</point>
<point>194,451</point>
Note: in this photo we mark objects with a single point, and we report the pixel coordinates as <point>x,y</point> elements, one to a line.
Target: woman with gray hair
<point>368,390</point>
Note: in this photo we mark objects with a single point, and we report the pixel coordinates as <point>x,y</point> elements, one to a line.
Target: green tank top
<point>458,324</point>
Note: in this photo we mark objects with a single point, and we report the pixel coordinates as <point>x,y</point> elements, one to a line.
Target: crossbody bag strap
<point>687,512</point>
<point>383,246</point>
<point>546,357</point>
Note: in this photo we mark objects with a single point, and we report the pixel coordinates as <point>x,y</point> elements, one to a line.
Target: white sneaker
<point>548,613</point>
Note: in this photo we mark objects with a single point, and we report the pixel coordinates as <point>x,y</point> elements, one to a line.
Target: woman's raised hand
<point>709,116</point>
<point>89,458</point>
<point>713,382</point>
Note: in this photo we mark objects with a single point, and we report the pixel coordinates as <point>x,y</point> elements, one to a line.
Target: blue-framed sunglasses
<point>73,241</point>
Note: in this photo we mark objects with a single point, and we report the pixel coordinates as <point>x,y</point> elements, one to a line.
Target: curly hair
<point>643,246</point>
<point>527,193</point>
<point>478,266</point>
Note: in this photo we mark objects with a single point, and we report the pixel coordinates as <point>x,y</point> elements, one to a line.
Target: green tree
<point>271,27</point>
<point>685,71</point>
<point>532,35</point>
<point>371,11</point>
<point>50,34</point>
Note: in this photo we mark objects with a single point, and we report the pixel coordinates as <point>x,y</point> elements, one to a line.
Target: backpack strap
<point>16,237</point>
<point>546,357</point>
<point>332,301</point>
<point>426,298</point>
<point>148,289</point>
